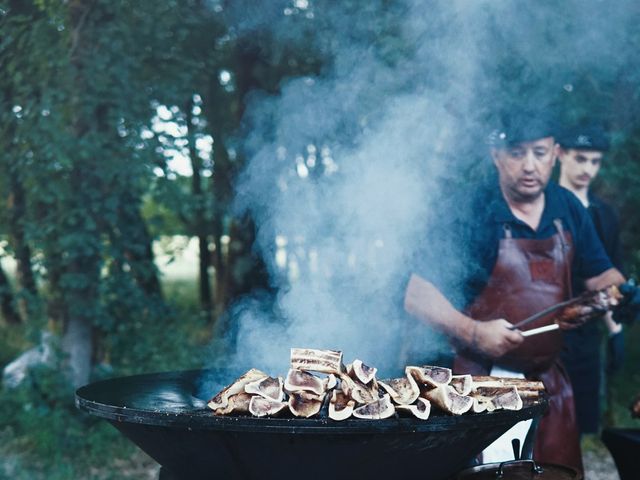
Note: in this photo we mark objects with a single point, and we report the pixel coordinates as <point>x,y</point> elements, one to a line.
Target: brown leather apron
<point>529,276</point>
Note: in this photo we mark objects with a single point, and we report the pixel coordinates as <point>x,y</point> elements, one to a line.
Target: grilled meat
<point>305,404</point>
<point>268,387</point>
<point>363,373</point>
<point>420,409</point>
<point>355,389</point>
<point>308,359</point>
<point>298,381</point>
<point>238,403</point>
<point>340,406</point>
<point>429,375</point>
<point>403,391</point>
<point>377,410</point>
<point>448,400</point>
<point>589,305</point>
<point>462,384</point>
<point>263,407</point>
<point>500,397</point>
<point>221,400</point>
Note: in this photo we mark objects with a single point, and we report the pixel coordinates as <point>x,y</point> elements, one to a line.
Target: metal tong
<point>540,314</point>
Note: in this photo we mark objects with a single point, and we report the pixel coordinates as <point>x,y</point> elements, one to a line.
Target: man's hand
<point>494,338</point>
<point>575,316</point>
<point>629,309</point>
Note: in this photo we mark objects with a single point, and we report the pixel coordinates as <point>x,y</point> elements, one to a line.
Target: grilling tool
<point>541,314</point>
<point>536,331</point>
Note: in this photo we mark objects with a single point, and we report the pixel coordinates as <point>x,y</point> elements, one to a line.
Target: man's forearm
<point>605,279</point>
<point>425,302</point>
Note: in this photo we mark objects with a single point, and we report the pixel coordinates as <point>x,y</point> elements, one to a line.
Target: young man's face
<point>525,168</point>
<point>579,167</point>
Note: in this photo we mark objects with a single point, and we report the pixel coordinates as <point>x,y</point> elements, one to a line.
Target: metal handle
<point>535,468</point>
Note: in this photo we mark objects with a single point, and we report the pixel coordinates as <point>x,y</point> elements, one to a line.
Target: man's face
<point>525,168</point>
<point>579,167</point>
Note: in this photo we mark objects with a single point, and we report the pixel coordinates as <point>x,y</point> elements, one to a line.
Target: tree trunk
<point>24,272</point>
<point>199,217</point>
<point>136,244</point>
<point>82,269</point>
<point>9,312</point>
<point>142,259</point>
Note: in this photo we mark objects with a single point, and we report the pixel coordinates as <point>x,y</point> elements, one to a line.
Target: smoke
<point>355,168</point>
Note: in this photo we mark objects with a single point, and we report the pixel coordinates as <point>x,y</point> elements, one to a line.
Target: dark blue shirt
<point>607,225</point>
<point>478,236</point>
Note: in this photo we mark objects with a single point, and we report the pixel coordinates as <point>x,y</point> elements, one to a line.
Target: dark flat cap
<point>519,126</point>
<point>585,137</point>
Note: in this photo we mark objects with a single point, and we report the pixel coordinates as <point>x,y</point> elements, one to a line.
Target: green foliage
<point>50,438</point>
<point>40,421</point>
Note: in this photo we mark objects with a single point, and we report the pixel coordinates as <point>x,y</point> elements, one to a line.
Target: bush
<point>48,434</point>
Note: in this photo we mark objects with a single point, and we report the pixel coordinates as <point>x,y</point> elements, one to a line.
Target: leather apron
<point>530,275</point>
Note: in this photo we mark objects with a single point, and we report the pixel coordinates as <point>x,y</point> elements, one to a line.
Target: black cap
<point>585,137</point>
<point>519,126</point>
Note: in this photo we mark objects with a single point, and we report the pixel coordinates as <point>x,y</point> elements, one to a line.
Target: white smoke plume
<point>351,167</point>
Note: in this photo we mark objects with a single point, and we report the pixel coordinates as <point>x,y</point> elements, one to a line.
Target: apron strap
<point>565,253</point>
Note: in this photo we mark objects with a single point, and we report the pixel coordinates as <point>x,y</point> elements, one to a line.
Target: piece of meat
<point>355,389</point>
<point>403,391</point>
<point>238,403</point>
<point>330,382</point>
<point>263,407</point>
<point>421,409</point>
<point>462,384</point>
<point>362,372</point>
<point>299,381</point>
<point>589,304</point>
<point>522,383</point>
<point>221,399</point>
<point>377,410</point>
<point>324,361</point>
<point>340,406</point>
<point>305,404</point>
<point>430,375</point>
<point>448,400</point>
<point>510,400</point>
<point>482,405</point>
<point>269,387</point>
<point>503,397</point>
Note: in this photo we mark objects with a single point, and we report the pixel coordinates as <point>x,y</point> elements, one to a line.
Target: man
<point>531,237</point>
<point>580,156</point>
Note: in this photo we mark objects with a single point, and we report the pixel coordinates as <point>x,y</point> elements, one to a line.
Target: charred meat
<point>448,400</point>
<point>324,361</point>
<point>430,375</point>
<point>403,391</point>
<point>221,400</point>
<point>299,381</point>
<point>342,392</point>
<point>377,410</point>
<point>305,404</point>
<point>340,406</point>
<point>263,407</point>
<point>268,387</point>
<point>589,305</point>
<point>420,409</point>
